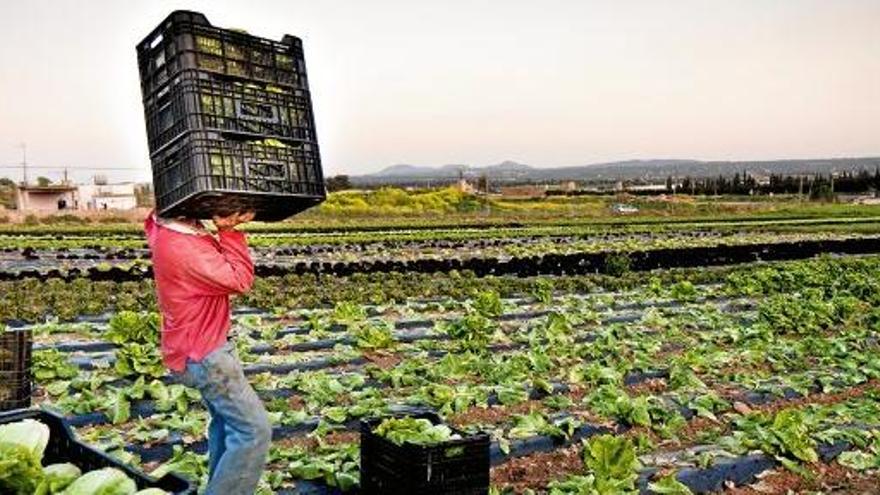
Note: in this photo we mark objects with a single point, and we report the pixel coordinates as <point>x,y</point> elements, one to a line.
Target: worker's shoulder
<point>173,242</point>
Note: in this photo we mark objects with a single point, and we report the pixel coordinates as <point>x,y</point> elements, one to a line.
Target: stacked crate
<point>229,121</point>
<point>15,368</point>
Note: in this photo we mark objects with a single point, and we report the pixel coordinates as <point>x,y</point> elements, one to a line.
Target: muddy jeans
<point>240,433</point>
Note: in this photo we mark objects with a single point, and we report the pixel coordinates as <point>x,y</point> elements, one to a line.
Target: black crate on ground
<point>186,40</point>
<point>457,467</point>
<point>15,369</point>
<point>64,447</point>
<point>198,100</point>
<point>207,173</point>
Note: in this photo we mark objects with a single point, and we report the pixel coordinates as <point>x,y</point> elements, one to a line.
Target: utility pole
<point>23,147</point>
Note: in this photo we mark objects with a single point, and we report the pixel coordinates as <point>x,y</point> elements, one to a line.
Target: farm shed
<point>30,198</point>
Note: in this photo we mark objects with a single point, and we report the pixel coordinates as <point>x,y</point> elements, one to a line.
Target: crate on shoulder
<point>230,123</point>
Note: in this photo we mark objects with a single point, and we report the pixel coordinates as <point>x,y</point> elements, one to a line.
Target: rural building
<point>464,186</point>
<point>568,186</point>
<point>647,187</point>
<point>107,196</point>
<point>524,191</point>
<point>45,199</point>
<point>66,196</point>
<point>759,178</point>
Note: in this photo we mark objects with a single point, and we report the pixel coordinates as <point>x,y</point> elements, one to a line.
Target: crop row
<point>611,263</point>
<point>813,213</point>
<point>435,249</point>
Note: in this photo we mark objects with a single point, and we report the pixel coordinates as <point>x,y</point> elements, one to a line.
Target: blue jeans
<point>239,434</point>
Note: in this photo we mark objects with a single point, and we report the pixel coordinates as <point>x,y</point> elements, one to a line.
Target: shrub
<point>617,264</point>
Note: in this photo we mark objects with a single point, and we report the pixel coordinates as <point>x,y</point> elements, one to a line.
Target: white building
<point>107,196</point>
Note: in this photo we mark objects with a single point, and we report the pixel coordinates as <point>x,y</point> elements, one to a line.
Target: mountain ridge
<point>647,169</point>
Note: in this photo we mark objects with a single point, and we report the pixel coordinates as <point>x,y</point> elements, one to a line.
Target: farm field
<point>314,248</point>
<point>643,358</point>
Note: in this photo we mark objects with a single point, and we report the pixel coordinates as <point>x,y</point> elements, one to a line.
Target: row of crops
<point>284,249</point>
<point>482,231</point>
<point>675,381</point>
<point>550,255</point>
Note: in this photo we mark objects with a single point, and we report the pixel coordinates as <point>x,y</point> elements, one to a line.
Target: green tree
<point>7,193</point>
<point>338,183</point>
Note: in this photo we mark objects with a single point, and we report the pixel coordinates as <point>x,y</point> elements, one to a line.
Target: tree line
<point>818,186</point>
<point>814,186</point>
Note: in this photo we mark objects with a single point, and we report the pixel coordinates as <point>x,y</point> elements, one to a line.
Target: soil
<point>650,386</point>
<point>827,478</point>
<point>538,469</point>
<point>296,402</point>
<point>689,435</point>
<point>383,360</point>
<point>494,415</point>
<point>820,399</point>
<point>311,443</point>
<point>737,368</point>
<point>692,431</point>
<point>577,393</point>
<point>286,320</point>
<point>637,431</point>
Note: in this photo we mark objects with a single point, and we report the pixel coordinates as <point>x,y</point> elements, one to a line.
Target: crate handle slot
<point>262,169</point>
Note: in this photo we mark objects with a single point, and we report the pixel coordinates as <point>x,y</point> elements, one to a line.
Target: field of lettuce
<point>607,369</point>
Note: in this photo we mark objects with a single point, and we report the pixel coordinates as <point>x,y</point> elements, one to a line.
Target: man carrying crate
<point>195,274</point>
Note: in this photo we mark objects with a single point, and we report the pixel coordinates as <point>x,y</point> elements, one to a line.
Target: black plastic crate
<point>64,447</point>
<point>15,369</point>
<point>206,173</point>
<point>457,467</point>
<point>197,100</point>
<point>186,40</point>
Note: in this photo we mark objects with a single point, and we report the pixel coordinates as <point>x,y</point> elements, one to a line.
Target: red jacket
<point>195,274</point>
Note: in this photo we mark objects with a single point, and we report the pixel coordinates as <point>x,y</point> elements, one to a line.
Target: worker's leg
<point>195,377</point>
<point>220,379</point>
<point>216,439</point>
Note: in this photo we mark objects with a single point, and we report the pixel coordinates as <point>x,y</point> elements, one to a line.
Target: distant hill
<point>648,170</point>
<point>451,171</point>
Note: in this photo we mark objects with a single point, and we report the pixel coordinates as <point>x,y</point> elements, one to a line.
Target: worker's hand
<point>231,221</point>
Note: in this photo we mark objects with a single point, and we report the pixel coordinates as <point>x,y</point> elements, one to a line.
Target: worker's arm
<point>227,270</point>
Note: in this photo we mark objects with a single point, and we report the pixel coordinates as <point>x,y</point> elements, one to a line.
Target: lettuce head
<point>21,455</point>
<point>57,477</point>
<point>106,481</point>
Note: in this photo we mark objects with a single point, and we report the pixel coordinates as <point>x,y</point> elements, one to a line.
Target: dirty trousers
<point>239,434</point>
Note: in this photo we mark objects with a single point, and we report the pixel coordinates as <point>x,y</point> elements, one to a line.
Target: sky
<point>550,83</point>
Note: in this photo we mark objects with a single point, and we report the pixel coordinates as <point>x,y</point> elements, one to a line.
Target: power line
<point>88,169</point>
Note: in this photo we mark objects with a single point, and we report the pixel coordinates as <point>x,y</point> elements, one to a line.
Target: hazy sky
<point>549,83</point>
